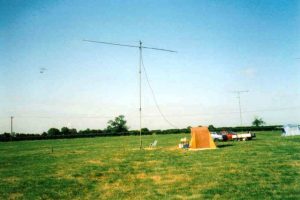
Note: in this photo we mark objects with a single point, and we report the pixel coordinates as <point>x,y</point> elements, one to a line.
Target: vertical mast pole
<point>11,125</point>
<point>241,119</point>
<point>140,83</point>
<point>239,92</point>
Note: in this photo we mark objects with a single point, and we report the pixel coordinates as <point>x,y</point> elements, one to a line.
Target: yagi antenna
<point>140,47</point>
<point>128,45</point>
<point>42,70</point>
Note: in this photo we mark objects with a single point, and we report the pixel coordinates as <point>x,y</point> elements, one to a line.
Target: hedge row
<point>99,133</point>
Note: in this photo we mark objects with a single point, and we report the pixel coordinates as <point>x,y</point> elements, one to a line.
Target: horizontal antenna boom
<point>128,45</point>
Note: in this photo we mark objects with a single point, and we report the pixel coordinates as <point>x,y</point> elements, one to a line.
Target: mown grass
<point>115,168</point>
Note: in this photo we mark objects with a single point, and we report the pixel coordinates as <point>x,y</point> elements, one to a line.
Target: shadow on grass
<point>224,145</point>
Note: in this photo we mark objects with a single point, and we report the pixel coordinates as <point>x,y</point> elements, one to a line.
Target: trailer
<point>244,136</point>
<point>229,136</point>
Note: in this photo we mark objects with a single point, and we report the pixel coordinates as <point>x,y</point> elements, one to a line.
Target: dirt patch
<point>12,179</point>
<point>194,196</point>
<point>156,179</point>
<point>59,153</point>
<point>149,163</point>
<point>117,160</point>
<point>97,162</point>
<point>141,176</point>
<point>63,174</point>
<point>152,148</point>
<point>15,196</point>
<point>233,171</point>
<point>111,170</point>
<point>137,163</point>
<point>153,162</point>
<point>295,164</point>
<point>108,190</point>
<point>78,152</point>
<point>173,148</point>
<point>172,178</point>
<point>164,179</point>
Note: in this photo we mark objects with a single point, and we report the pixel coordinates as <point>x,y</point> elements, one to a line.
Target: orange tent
<point>201,139</point>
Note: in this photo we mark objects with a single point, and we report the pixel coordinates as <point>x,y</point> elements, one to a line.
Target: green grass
<point>115,168</point>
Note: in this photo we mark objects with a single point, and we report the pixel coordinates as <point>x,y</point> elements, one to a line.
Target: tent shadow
<point>224,145</point>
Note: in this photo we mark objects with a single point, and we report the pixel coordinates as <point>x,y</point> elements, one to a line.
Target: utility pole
<point>140,73</point>
<point>11,125</point>
<point>140,47</point>
<point>238,92</point>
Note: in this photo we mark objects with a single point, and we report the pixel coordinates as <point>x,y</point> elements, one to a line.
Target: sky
<point>222,47</point>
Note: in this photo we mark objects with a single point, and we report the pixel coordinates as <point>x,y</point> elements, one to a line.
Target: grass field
<point>114,168</point>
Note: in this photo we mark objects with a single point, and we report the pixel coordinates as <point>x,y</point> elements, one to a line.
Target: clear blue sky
<point>222,46</point>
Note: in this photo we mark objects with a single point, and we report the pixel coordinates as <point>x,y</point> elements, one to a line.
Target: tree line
<point>118,127</point>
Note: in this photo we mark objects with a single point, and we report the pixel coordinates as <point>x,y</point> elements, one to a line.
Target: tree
<point>44,134</point>
<point>65,131</point>
<point>145,130</point>
<point>258,122</point>
<point>53,131</point>
<point>68,131</point>
<point>211,128</point>
<point>73,131</point>
<point>118,125</point>
<point>86,131</point>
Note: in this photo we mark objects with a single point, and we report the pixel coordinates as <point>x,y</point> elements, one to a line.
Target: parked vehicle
<point>228,136</point>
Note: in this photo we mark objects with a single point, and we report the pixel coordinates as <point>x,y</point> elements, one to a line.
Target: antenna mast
<point>238,92</point>
<point>140,110</point>
<point>140,47</point>
<point>11,126</point>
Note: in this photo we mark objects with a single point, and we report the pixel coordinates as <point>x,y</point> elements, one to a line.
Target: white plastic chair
<point>153,144</point>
